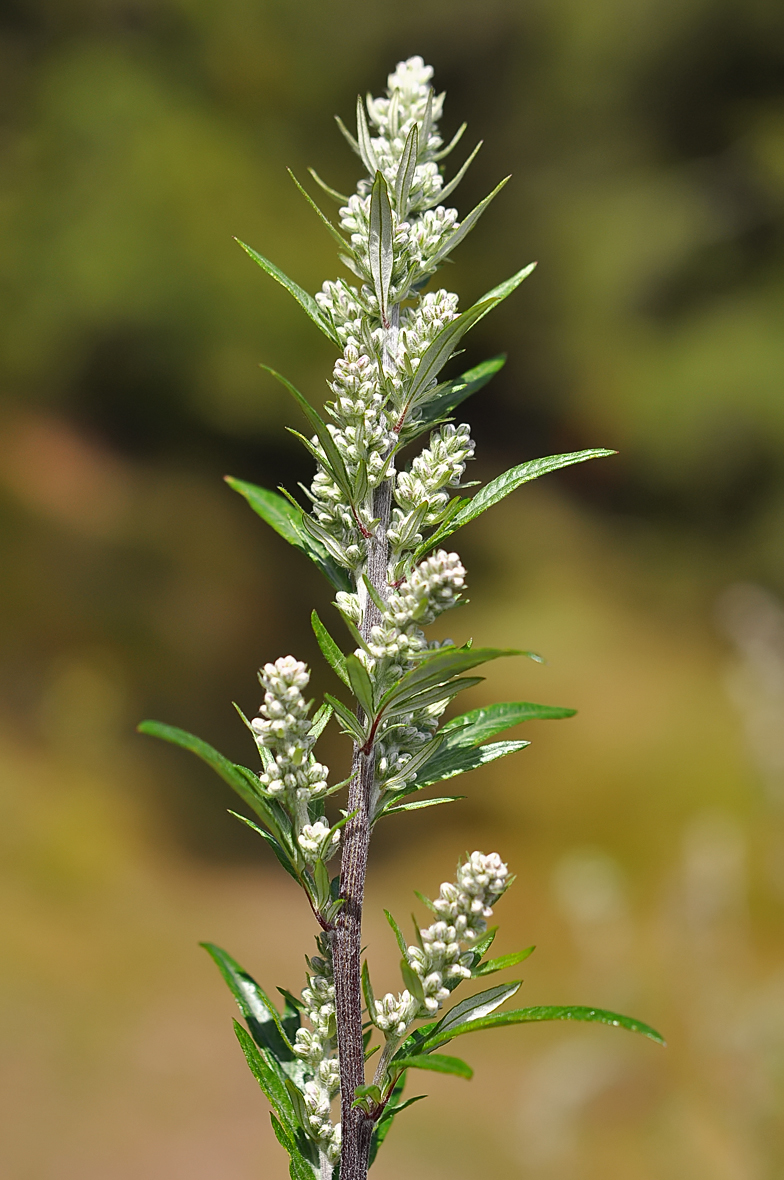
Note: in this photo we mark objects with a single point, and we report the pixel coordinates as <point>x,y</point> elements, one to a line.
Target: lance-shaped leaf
<point>438,1062</point>
<point>451,394</point>
<point>329,648</point>
<point>324,220</point>
<point>286,518</point>
<point>347,719</point>
<point>261,1015</point>
<point>442,666</point>
<point>447,339</point>
<point>450,762</point>
<point>364,145</point>
<point>299,1166</point>
<point>341,198</point>
<point>535,1015</point>
<point>305,300</point>
<point>239,778</point>
<point>438,694</point>
<point>285,860</point>
<point>333,457</point>
<point>473,1008</point>
<point>419,803</point>
<point>401,942</point>
<point>266,1075</point>
<point>500,964</point>
<point>448,189</point>
<point>405,172</point>
<point>470,729</point>
<point>495,491</point>
<point>465,226</point>
<point>450,147</point>
<point>380,251</point>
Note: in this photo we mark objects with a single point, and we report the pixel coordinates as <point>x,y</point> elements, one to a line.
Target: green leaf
<point>485,942</point>
<point>534,1015</point>
<point>418,803</point>
<point>272,1084</point>
<point>450,762</point>
<point>405,172</point>
<point>320,720</point>
<point>361,685</point>
<point>262,1016</point>
<point>336,196</point>
<point>280,852</point>
<point>367,990</point>
<point>325,220</point>
<point>364,146</point>
<point>401,942</point>
<point>448,189</point>
<point>347,136</point>
<point>239,778</point>
<point>450,147</point>
<point>470,729</point>
<point>438,1062</point>
<point>493,965</point>
<point>329,648</point>
<point>440,693</point>
<point>299,1168</point>
<point>465,226</point>
<point>500,487</point>
<point>439,352</point>
<point>380,251</point>
<point>411,980</point>
<point>451,394</point>
<point>437,669</point>
<point>286,518</point>
<point>468,1011</point>
<point>347,719</point>
<point>306,301</point>
<point>333,457</point>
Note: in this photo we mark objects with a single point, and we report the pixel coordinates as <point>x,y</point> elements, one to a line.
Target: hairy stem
<point>357,1126</point>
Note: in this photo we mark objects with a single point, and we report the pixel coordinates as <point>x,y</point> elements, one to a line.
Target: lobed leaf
<point>305,300</point>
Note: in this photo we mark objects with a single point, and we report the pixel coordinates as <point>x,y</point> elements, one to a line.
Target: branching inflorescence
<point>376,528</point>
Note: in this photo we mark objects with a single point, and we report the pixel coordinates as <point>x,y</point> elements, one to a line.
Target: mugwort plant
<point>377,526</point>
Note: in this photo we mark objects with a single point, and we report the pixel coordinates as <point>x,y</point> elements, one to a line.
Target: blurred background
<point>646,143</point>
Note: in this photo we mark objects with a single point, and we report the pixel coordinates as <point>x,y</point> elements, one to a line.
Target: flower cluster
<point>421,494</point>
<point>431,588</point>
<point>318,1050</point>
<point>440,961</point>
<point>293,775</point>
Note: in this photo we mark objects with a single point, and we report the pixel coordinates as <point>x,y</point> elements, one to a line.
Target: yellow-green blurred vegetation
<point>646,143</point>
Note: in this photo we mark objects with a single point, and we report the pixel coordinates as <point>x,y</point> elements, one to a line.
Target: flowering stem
<point>356,1125</point>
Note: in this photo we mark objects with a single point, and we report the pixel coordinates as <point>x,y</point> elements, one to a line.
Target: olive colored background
<point>646,143</point>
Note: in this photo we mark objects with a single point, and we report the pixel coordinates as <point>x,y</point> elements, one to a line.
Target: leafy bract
<point>501,486</point>
<point>285,518</point>
<point>534,1015</point>
<point>305,300</point>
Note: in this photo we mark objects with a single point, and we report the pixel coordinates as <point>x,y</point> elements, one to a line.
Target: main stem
<point>356,1126</point>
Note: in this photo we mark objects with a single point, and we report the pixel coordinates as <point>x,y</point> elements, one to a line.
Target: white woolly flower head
<point>317,840</point>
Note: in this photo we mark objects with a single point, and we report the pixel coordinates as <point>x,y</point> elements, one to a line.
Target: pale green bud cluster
<point>440,961</point>
<point>318,1049</point>
<point>285,729</point>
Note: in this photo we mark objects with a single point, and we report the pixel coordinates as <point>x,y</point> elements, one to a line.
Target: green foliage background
<point>646,143</point>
